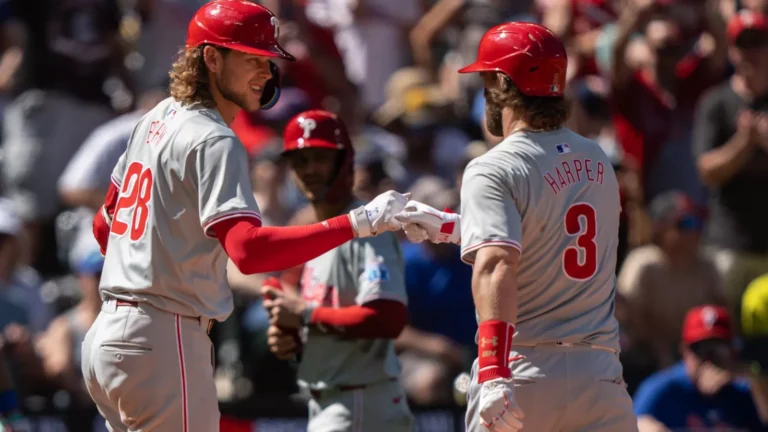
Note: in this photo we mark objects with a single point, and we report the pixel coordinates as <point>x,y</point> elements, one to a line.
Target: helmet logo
<point>709,317</point>
<point>555,87</point>
<point>308,125</point>
<point>276,24</point>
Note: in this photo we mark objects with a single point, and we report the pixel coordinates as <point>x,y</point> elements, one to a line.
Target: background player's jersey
<point>183,171</point>
<point>357,272</point>
<point>554,196</point>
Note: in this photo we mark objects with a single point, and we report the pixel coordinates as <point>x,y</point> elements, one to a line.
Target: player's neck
<point>325,210</point>
<point>511,125</point>
<point>226,108</point>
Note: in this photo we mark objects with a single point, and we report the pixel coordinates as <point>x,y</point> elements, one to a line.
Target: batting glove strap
<point>360,223</point>
<point>450,230</point>
<point>494,341</point>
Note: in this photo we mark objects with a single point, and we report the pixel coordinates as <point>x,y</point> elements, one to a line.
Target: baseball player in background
<point>551,192</point>
<point>353,299</point>
<point>180,204</point>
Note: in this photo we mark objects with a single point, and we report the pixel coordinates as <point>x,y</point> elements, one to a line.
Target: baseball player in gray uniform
<point>539,223</point>
<point>353,299</point>
<point>179,206</point>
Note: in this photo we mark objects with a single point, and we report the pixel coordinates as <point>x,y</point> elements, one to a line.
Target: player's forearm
<point>380,319</point>
<point>720,164</point>
<point>494,286</point>
<point>494,289</point>
<point>256,249</point>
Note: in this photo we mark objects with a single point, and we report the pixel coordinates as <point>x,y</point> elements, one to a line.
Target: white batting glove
<point>422,222</point>
<point>499,411</point>
<point>377,216</point>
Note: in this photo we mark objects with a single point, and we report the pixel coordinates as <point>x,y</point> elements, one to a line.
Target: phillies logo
<point>308,125</point>
<point>276,24</point>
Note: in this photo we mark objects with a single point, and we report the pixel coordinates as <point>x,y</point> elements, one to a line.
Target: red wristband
<point>494,341</point>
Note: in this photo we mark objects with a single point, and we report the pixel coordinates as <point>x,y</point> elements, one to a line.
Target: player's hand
<point>499,411</point>
<point>284,344</point>
<point>284,308</point>
<point>422,222</point>
<point>377,216</point>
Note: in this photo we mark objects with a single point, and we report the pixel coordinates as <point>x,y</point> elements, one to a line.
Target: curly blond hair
<point>539,112</point>
<point>189,78</point>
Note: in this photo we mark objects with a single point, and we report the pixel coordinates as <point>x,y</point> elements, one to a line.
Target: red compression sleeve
<point>494,341</point>
<point>256,249</point>
<point>101,224</point>
<point>378,319</point>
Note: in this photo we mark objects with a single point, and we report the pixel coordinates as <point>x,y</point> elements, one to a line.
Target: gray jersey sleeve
<point>489,216</point>
<point>379,269</point>
<point>223,182</point>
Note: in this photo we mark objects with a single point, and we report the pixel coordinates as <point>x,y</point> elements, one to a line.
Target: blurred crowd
<point>674,91</point>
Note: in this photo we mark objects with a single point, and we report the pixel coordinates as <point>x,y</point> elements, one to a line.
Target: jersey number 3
<point>134,197</point>
<point>580,261</point>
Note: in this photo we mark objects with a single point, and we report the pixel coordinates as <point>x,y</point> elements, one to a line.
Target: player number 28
<point>580,261</point>
<point>134,197</point>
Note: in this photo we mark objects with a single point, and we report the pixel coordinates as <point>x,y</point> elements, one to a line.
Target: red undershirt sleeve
<point>383,319</point>
<point>256,249</point>
<point>102,219</point>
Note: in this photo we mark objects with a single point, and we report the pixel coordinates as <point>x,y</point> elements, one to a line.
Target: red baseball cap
<point>746,20</point>
<point>707,322</point>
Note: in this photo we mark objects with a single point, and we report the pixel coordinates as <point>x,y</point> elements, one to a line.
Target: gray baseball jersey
<point>355,273</point>
<point>183,171</point>
<point>554,196</point>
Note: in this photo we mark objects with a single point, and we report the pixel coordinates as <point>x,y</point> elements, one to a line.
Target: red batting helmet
<point>529,54</point>
<point>323,129</point>
<point>241,25</point>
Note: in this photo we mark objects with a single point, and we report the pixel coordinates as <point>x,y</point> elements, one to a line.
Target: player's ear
<point>212,58</point>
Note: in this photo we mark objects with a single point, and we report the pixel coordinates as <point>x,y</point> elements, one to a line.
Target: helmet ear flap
<point>271,93</point>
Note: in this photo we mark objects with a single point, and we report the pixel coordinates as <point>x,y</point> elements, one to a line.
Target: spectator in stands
<point>701,392</point>
<point>69,55</point>
<point>731,137</point>
<point>436,346</point>
<point>87,176</point>
<point>578,23</point>
<point>418,113</point>
<point>654,94</point>
<point>446,37</point>
<point>371,174</point>
<point>155,30</point>
<point>660,282</point>
<point>21,300</point>
<point>371,38</point>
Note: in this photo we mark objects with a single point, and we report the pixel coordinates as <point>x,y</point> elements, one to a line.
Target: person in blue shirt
<point>439,341</point>
<point>701,392</point>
